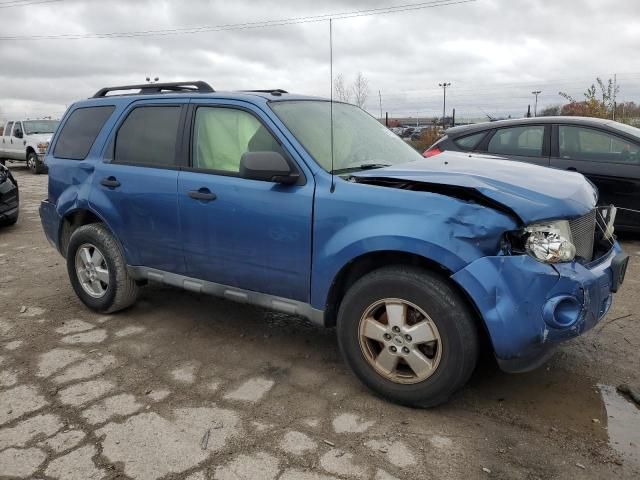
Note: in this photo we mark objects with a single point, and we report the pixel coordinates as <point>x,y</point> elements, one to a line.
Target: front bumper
<point>529,307</point>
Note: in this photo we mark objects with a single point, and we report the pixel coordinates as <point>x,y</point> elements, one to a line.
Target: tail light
<point>431,152</point>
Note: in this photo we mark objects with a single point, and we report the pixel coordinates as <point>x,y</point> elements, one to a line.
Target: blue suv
<point>314,208</point>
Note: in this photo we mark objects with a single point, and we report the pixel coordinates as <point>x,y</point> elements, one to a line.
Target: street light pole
<point>535,107</point>
<point>444,86</point>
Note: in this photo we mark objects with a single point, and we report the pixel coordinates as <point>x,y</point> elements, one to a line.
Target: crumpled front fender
<point>517,298</point>
<point>509,293</point>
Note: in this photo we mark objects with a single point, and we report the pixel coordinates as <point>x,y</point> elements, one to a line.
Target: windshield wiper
<point>364,166</point>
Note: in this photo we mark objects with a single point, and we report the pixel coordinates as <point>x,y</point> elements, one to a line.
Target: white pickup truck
<point>27,141</point>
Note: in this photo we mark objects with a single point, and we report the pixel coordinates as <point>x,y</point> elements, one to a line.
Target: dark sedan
<point>9,198</point>
<point>606,152</point>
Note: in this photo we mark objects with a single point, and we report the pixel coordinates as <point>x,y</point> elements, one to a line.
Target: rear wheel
<point>97,270</point>
<point>408,335</point>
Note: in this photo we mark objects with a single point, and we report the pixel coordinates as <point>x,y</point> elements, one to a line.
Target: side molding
<point>270,302</point>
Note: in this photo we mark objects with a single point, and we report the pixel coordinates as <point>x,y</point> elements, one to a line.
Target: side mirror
<point>268,167</point>
<point>18,134</point>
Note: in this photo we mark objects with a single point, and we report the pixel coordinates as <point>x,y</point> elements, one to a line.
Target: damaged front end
<point>551,278</point>
<point>532,296</point>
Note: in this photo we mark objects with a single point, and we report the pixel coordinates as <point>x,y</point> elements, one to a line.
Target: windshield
<point>359,140</point>
<point>40,126</point>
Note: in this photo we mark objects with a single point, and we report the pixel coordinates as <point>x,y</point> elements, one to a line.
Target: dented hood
<point>532,192</point>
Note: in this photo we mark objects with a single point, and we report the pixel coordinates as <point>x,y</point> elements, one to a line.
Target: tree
<point>550,111</point>
<point>360,90</point>
<point>595,104</point>
<point>341,92</point>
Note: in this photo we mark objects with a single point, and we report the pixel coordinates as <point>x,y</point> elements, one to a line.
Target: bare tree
<point>341,92</point>
<point>360,90</point>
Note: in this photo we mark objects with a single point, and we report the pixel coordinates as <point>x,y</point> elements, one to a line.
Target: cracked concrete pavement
<point>183,386</point>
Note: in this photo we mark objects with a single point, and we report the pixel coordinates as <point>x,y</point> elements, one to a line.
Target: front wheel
<point>98,271</point>
<point>34,164</point>
<point>408,335</point>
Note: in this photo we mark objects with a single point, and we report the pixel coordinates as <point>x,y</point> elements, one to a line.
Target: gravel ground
<point>188,386</point>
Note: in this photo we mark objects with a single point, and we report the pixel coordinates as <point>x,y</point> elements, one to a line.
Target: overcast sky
<point>494,52</point>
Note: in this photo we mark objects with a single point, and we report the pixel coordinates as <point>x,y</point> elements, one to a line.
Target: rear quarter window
<point>80,131</point>
<point>469,142</point>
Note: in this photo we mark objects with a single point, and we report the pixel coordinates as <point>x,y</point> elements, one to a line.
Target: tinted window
<point>80,131</point>
<point>470,141</point>
<point>9,126</point>
<point>222,135</point>
<point>526,141</point>
<point>148,136</point>
<point>17,129</point>
<point>582,143</point>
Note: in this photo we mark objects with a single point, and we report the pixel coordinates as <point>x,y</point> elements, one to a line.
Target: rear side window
<point>148,136</point>
<point>525,141</point>
<point>8,131</point>
<point>80,131</point>
<point>470,141</point>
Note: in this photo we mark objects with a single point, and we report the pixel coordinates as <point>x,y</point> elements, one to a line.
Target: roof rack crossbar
<point>150,88</point>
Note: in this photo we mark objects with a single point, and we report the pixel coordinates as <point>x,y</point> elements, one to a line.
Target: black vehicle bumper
<point>9,200</point>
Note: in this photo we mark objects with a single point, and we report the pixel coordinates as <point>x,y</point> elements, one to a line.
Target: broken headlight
<point>550,242</point>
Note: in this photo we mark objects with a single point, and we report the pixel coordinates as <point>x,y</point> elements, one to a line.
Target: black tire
<point>7,222</point>
<point>122,290</point>
<point>449,312</point>
<point>34,164</point>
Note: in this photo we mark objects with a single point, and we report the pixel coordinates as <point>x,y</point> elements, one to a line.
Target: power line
<point>245,25</point>
<point>26,3</point>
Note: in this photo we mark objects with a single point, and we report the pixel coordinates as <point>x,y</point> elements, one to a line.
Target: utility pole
<point>615,84</point>
<point>380,97</point>
<point>535,107</point>
<point>444,86</point>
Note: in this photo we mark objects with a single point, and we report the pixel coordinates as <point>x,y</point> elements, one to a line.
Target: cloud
<point>494,52</point>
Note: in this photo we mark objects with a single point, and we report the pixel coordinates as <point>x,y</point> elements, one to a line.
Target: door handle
<point>203,194</point>
<point>110,182</point>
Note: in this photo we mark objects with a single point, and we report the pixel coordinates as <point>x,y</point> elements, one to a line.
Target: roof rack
<point>151,88</point>
<point>273,91</point>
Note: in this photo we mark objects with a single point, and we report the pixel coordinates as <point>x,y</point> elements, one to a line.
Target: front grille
<point>583,232</point>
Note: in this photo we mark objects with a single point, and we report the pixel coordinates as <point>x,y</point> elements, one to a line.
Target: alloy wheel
<point>400,341</point>
<point>92,270</point>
